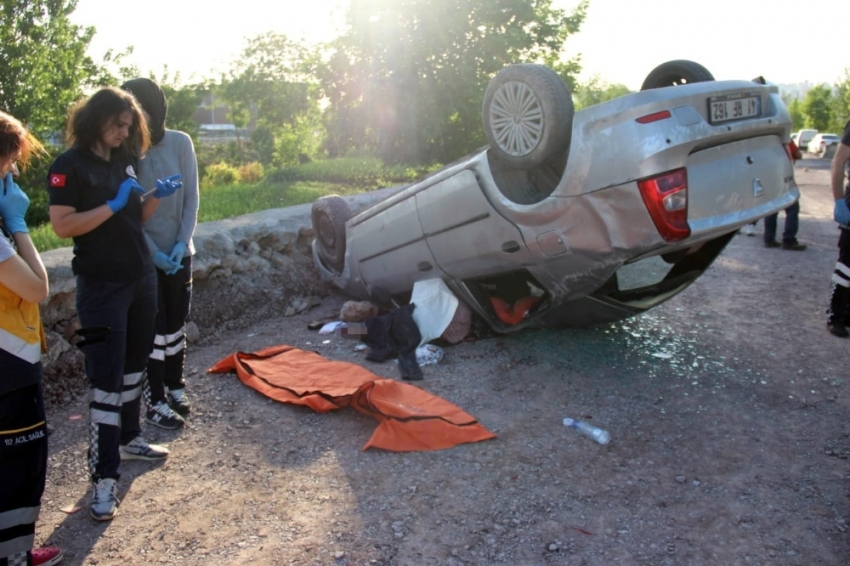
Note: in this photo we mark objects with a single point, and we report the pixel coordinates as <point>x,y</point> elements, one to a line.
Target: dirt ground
<point>727,408</point>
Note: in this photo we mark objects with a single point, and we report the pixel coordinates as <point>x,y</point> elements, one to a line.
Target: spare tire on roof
<point>676,73</point>
<point>528,115</point>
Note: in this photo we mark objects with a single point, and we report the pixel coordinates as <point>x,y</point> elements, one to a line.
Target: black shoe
<point>837,329</point>
<point>771,244</point>
<point>794,246</point>
<point>179,401</point>
<point>163,416</point>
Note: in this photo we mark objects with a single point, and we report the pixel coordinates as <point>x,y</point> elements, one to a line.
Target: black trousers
<point>117,321</point>
<point>23,469</point>
<point>168,356</point>
<point>839,302</point>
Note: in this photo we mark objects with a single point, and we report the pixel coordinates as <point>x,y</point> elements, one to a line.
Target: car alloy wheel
<point>528,115</point>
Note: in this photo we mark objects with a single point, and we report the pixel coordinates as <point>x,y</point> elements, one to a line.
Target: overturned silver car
<point>574,218</point>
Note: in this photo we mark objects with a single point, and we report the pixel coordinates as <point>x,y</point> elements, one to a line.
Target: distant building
<point>214,124</point>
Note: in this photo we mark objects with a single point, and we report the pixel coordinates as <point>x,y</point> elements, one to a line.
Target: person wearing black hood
<point>169,235</point>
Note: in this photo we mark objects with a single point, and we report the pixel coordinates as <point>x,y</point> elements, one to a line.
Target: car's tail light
<point>666,199</point>
<point>654,117</point>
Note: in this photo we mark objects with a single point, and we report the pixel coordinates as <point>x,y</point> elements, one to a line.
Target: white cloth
<point>435,307</point>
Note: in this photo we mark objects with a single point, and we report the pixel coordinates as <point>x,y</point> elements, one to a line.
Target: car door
<point>466,235</point>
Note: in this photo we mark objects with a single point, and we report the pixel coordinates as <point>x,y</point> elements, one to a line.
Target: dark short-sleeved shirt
<point>116,250</point>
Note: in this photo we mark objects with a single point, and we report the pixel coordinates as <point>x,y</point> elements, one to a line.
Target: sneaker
<point>46,556</point>
<point>772,244</point>
<point>138,449</point>
<point>837,329</point>
<point>179,401</point>
<point>104,501</point>
<point>794,246</point>
<point>750,229</point>
<point>163,416</point>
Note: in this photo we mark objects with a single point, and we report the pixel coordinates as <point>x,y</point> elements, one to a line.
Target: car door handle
<point>424,266</point>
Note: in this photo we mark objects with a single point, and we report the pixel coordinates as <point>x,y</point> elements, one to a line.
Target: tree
<point>798,119</point>
<point>595,91</point>
<point>408,77</point>
<point>817,107</point>
<point>273,82</point>
<point>43,61</point>
<point>841,104</point>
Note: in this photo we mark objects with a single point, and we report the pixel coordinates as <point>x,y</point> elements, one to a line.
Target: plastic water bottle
<point>597,434</point>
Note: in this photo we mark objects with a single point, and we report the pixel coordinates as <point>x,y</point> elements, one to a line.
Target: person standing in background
<point>96,199</point>
<point>792,213</point>
<point>792,220</point>
<point>169,235</point>
<point>23,425</point>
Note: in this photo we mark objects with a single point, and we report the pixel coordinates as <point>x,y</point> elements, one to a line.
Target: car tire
<point>528,115</point>
<point>675,73</point>
<point>329,215</point>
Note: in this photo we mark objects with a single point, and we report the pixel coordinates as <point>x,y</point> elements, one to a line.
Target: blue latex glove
<point>176,268</point>
<point>177,252</point>
<point>130,185</point>
<point>177,256</point>
<point>13,205</point>
<point>841,213</point>
<point>166,187</point>
<point>161,261</point>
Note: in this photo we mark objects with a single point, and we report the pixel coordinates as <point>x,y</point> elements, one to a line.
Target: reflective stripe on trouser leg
<point>167,358</point>
<point>839,295</point>
<point>104,430</point>
<point>141,320</point>
<point>839,301</point>
<point>23,469</point>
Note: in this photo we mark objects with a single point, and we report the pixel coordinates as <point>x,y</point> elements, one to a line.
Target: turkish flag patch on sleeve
<point>57,180</point>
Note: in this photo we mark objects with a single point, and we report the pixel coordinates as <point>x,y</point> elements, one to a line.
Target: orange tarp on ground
<point>409,418</point>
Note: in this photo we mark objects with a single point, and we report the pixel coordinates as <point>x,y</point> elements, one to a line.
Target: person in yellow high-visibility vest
<point>23,427</point>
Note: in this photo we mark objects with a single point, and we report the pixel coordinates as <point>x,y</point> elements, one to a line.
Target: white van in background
<point>803,137</point>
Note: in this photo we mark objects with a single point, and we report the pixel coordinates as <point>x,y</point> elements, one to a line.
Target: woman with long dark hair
<point>96,200</point>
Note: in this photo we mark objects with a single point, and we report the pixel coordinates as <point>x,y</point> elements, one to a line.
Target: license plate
<point>733,107</point>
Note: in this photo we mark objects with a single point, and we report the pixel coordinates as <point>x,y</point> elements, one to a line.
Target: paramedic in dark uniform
<point>838,314</point>
<point>96,200</point>
<point>23,430</point>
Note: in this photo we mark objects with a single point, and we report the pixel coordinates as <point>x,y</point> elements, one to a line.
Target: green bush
<point>220,174</point>
<point>251,172</point>
<point>235,152</point>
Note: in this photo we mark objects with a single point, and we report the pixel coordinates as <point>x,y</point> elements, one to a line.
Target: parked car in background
<point>574,218</point>
<point>821,142</point>
<point>804,137</point>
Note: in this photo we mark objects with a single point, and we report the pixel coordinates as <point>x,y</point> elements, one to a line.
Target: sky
<point>620,41</point>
